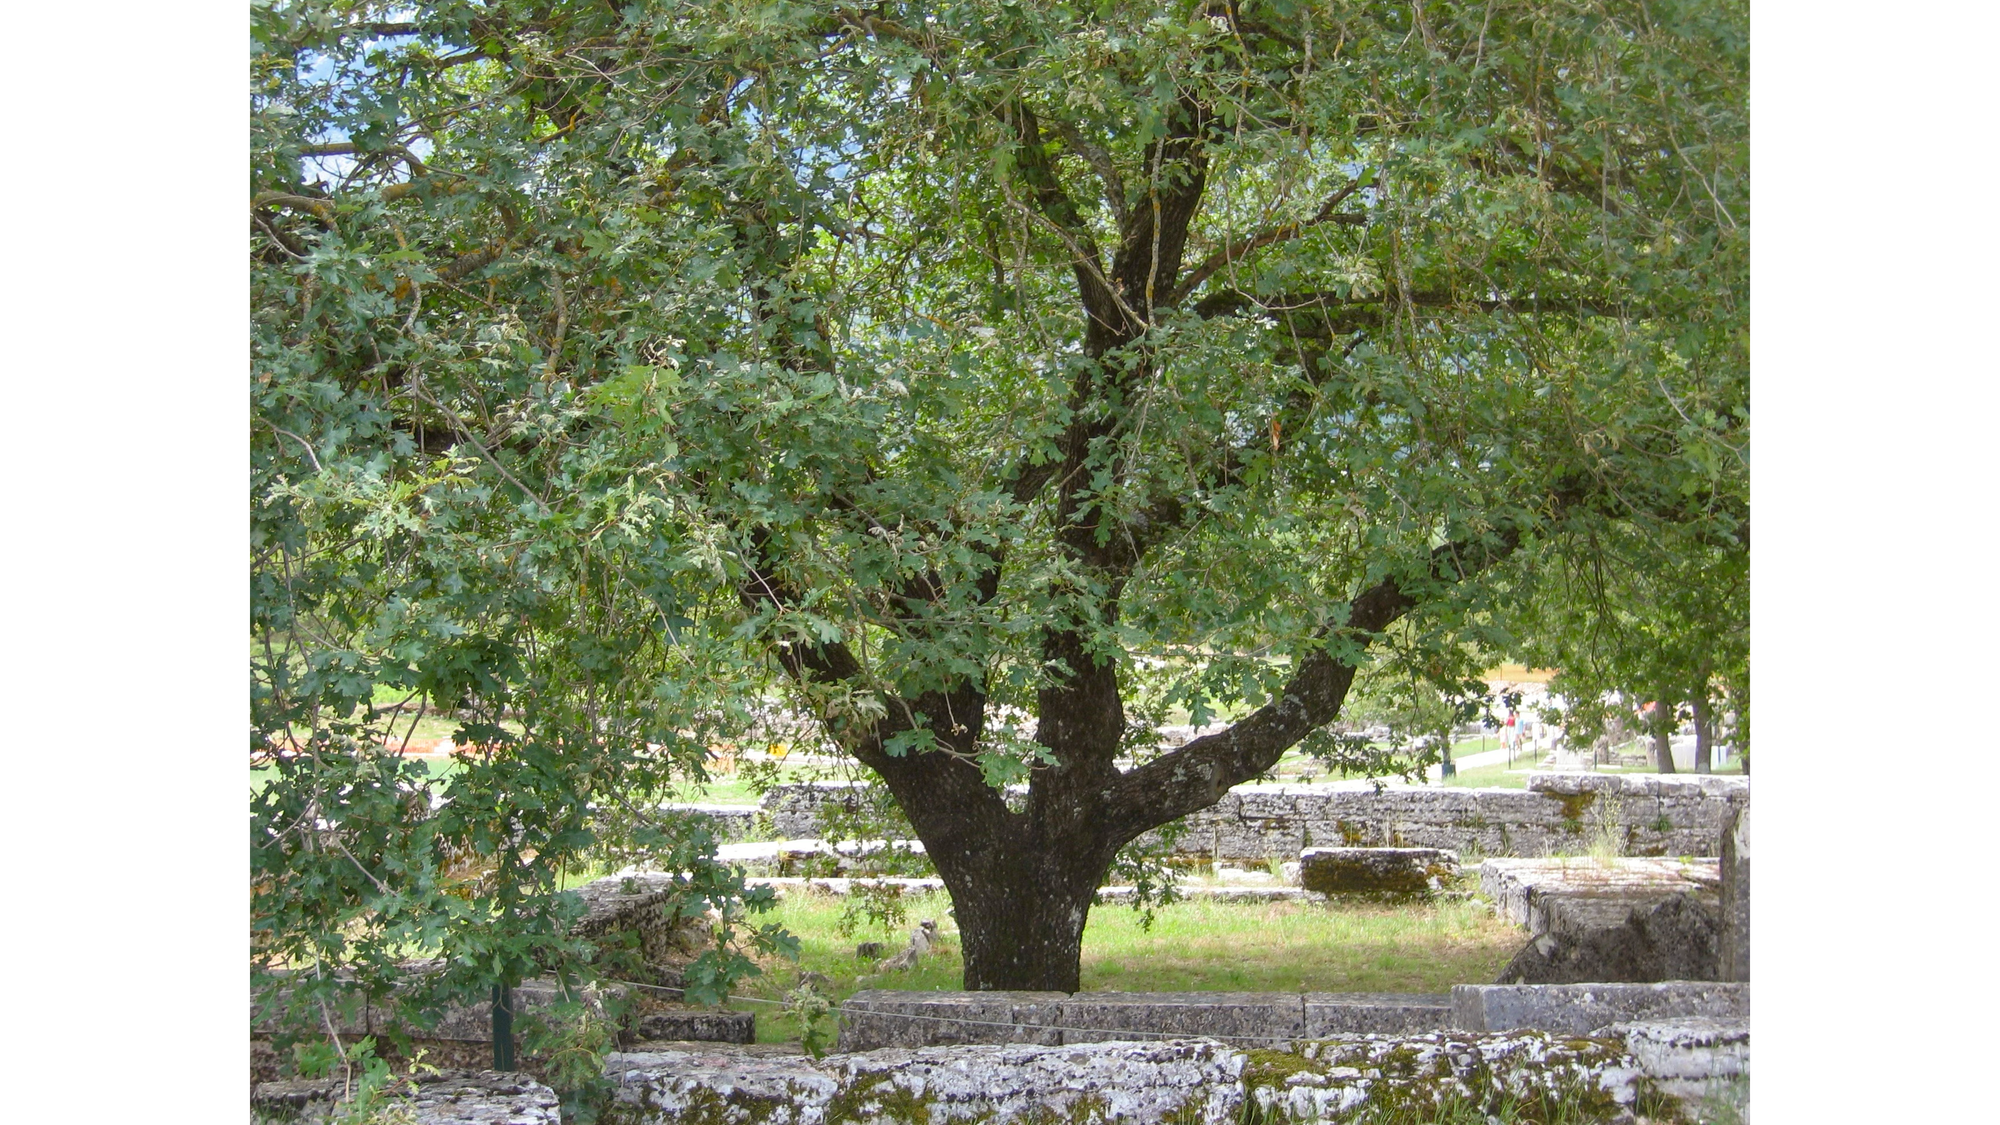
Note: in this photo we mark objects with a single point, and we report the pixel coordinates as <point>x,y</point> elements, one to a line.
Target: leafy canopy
<point>602,354</point>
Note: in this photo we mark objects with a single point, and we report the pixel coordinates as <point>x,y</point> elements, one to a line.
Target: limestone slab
<point>452,1097</point>
<point>1691,1058</point>
<point>1579,1009</point>
<point>1242,1018</point>
<point>700,1024</point>
<point>1735,895</point>
<point>1374,1013</point>
<point>1152,1083</point>
<point>1343,870</point>
<point>877,1018</point>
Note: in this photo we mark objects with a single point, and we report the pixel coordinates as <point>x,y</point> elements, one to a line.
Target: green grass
<point>1193,946</point>
<point>1493,777</point>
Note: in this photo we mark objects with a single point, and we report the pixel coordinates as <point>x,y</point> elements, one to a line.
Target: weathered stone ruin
<point>1608,919</point>
<point>1734,940</point>
<point>1393,871</point>
<point>1628,1003</point>
<point>1645,814</point>
<point>624,915</point>
<point>455,1097</point>
<point>1594,1078</point>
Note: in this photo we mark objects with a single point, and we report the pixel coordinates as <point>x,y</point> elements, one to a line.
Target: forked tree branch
<point>1237,251</point>
<point>1196,775</point>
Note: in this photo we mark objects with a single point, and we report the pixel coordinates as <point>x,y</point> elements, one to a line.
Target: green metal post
<point>503,1027</point>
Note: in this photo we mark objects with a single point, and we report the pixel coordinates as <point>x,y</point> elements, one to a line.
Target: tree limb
<point>1196,775</point>
<point>1236,252</point>
<point>1100,162</point>
<point>320,208</point>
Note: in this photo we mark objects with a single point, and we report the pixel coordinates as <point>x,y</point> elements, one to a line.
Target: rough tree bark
<point>1704,734</point>
<point>1662,722</point>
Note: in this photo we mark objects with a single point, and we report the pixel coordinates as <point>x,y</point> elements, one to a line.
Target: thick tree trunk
<point>1021,919</point>
<point>1663,735</point>
<point>1704,734</point>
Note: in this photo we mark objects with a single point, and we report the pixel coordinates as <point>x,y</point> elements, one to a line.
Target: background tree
<point>948,360</point>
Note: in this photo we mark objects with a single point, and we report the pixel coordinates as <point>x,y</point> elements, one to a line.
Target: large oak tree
<point>997,373</point>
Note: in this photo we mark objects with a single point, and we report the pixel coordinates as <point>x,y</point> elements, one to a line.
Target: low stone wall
<point>877,1018</point>
<point>810,857</point>
<point>1583,1009</point>
<point>841,887</point>
<point>1647,815</point>
<point>729,823</point>
<point>628,913</point>
<point>462,1023</point>
<point>712,1025</point>
<point>793,809</point>
<point>449,1098</point>
<point>1182,1081</point>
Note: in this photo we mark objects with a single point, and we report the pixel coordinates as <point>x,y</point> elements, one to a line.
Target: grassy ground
<point>1500,777</point>
<point>1192,946</point>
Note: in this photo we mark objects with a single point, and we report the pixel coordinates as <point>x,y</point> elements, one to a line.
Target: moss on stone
<point>704,1106</point>
<point>1086,1109</point>
<point>1574,804</point>
<point>1399,1062</point>
<point>1271,1068</point>
<point>1656,1106</point>
<point>877,1096</point>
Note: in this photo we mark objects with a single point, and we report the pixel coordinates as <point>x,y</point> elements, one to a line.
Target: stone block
<point>729,823</point>
<point>794,808</point>
<point>1580,1009</point>
<point>1375,870</point>
<point>1521,889</point>
<point>709,1025</point>
<point>877,1018</point>
<point>1241,1018</point>
<point>1374,1013</point>
<point>633,912</point>
<point>452,1097</point>
<point>1734,951</point>
<point>1692,1058</point>
<point>1629,920</point>
<point>1592,940</point>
